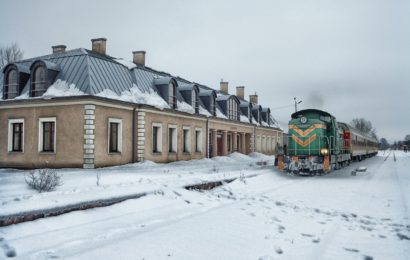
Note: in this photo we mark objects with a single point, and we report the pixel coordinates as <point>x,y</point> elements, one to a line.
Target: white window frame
<point>174,139</point>
<point>40,133</point>
<point>119,122</point>
<point>159,137</point>
<point>198,142</point>
<point>189,139</point>
<point>10,136</point>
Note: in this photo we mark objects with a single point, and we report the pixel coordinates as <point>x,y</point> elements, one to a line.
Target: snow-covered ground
<point>268,215</point>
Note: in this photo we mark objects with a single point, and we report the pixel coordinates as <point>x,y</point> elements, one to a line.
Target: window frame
<point>186,143</point>
<point>212,105</point>
<point>10,144</point>
<point>198,141</point>
<point>41,122</point>
<point>158,140</point>
<point>195,100</point>
<point>7,85</point>
<point>118,121</point>
<point>174,139</point>
<point>34,82</point>
<point>172,95</point>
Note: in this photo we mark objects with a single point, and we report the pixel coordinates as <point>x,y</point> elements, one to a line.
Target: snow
<point>264,214</point>
<point>203,111</point>
<point>61,88</point>
<point>130,65</point>
<point>135,95</point>
<point>185,107</point>
<point>244,119</point>
<point>220,114</point>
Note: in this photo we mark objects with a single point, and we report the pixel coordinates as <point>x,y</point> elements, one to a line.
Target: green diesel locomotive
<point>318,144</point>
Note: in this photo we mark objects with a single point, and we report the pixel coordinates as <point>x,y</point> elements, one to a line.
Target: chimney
<point>99,45</point>
<point>139,57</point>
<point>240,92</point>
<point>224,86</point>
<point>253,99</point>
<point>58,48</point>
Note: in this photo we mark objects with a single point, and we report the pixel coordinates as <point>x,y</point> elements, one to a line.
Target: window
<point>198,140</point>
<point>114,135</point>
<point>39,81</point>
<point>47,135</point>
<point>11,86</point>
<point>269,144</point>
<point>156,138</point>
<point>232,109</point>
<point>195,101</point>
<point>172,99</point>
<point>187,139</point>
<point>172,139</point>
<point>16,135</point>
<point>212,105</point>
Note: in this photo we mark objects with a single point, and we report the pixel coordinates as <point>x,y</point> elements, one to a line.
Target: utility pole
<point>296,104</point>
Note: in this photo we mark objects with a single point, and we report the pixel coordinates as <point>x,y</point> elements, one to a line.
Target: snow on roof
<point>220,114</point>
<point>244,119</point>
<point>135,95</point>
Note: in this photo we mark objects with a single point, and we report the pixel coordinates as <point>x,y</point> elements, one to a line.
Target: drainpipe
<point>254,139</point>
<point>134,111</point>
<point>207,137</point>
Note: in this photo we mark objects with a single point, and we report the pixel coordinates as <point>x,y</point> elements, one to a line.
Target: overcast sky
<point>348,57</point>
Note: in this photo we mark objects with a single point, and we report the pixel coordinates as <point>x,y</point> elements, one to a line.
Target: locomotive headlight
<point>324,151</point>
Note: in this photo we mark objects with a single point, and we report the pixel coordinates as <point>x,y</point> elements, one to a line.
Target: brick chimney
<point>253,98</point>
<point>139,57</point>
<point>224,86</point>
<point>99,45</point>
<point>240,92</point>
<point>58,48</point>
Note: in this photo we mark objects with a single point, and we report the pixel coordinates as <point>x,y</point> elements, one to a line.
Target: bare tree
<point>9,54</point>
<point>365,126</point>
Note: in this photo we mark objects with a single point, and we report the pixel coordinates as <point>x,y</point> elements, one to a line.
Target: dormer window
<point>212,105</point>
<point>11,85</point>
<point>39,81</point>
<point>172,97</point>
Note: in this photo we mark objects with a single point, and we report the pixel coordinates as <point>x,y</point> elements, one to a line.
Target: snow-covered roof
<point>85,72</point>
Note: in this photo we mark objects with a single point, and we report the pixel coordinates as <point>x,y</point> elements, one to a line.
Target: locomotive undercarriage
<point>315,165</point>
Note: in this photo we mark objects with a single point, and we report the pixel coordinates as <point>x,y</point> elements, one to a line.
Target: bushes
<point>43,179</point>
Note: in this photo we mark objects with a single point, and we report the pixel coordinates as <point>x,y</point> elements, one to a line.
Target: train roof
<point>311,110</point>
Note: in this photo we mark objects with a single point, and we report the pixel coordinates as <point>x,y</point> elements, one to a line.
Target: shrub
<point>43,179</point>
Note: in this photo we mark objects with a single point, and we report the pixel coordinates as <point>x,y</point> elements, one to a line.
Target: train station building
<point>84,108</point>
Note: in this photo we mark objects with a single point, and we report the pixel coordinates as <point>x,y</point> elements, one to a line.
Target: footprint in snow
<point>278,250</point>
<point>279,203</point>
<point>316,240</point>
<point>306,235</point>
<point>351,250</point>
<point>252,214</point>
<point>403,236</point>
<point>9,251</point>
<point>367,257</point>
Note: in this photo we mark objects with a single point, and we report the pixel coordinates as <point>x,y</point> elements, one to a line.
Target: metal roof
<point>92,73</point>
